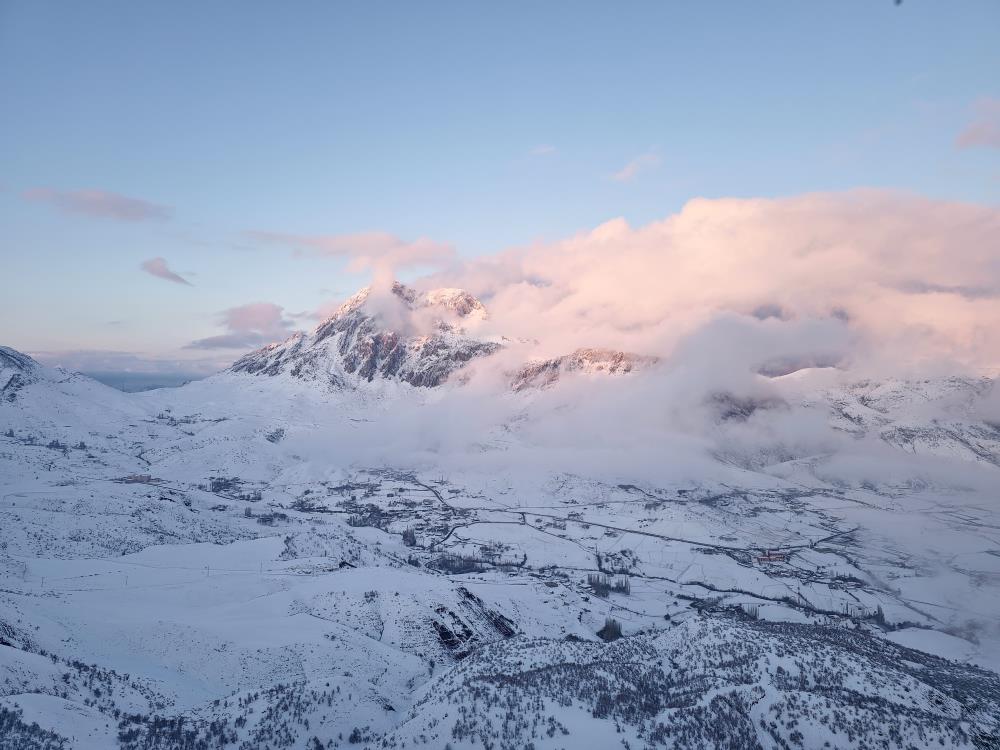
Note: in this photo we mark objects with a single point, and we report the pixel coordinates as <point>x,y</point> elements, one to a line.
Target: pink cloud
<point>984,130</point>
<point>249,326</point>
<point>98,203</point>
<point>158,267</point>
<point>256,316</point>
<point>911,280</point>
<point>380,252</point>
<point>642,163</point>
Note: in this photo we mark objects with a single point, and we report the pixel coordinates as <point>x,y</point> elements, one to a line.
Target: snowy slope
<point>260,559</point>
<point>720,682</point>
<point>939,417</point>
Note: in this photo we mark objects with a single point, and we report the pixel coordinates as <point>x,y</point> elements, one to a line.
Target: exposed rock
<point>418,338</point>
<point>729,407</point>
<point>16,371</point>
<point>543,373</point>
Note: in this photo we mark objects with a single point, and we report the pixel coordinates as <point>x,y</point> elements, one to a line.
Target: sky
<point>181,182</point>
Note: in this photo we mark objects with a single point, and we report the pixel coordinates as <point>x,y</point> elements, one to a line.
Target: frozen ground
<point>251,562</point>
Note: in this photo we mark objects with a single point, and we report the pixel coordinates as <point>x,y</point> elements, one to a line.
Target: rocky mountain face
<point>410,337</point>
<point>543,373</point>
<point>16,371</point>
<point>419,338</point>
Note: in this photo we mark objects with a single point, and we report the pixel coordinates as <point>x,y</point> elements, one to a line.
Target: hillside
<point>272,559</point>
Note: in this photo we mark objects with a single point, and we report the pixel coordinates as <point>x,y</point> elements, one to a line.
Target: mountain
<point>418,338</point>
<point>42,397</point>
<point>406,336</point>
<point>547,372</point>
<point>930,416</point>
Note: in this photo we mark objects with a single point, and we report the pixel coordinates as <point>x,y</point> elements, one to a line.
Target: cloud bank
<point>249,326</point>
<point>870,279</point>
<point>729,294</point>
<point>101,204</point>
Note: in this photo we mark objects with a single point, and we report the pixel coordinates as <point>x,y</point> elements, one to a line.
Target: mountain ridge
<point>418,338</point>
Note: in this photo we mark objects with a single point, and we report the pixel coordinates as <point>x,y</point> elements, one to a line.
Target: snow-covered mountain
<point>410,337</point>
<point>546,372</point>
<point>252,560</point>
<point>417,338</point>
<point>47,398</point>
<point>935,417</point>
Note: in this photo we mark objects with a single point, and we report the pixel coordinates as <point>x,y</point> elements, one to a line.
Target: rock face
<point>16,371</point>
<point>405,336</point>
<point>543,373</point>
<point>728,407</point>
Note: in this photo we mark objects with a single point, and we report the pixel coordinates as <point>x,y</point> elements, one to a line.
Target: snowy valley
<point>398,531</point>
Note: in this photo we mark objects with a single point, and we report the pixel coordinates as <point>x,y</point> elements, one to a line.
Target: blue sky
<point>477,126</point>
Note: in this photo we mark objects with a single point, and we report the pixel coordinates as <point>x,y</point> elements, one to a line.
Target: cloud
<point>99,203</point>
<point>642,163</point>
<point>158,267</point>
<point>913,281</point>
<point>256,316</point>
<point>382,253</point>
<point>543,149</point>
<point>731,295</point>
<point>984,130</point>
<point>249,326</point>
<point>727,293</point>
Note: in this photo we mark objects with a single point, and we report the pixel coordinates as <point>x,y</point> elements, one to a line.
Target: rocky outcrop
<point>16,371</point>
<point>546,372</point>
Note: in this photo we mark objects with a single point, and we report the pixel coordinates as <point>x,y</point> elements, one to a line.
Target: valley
<point>240,563</point>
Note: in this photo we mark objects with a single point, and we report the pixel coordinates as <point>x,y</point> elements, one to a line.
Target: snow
<point>85,727</point>
<point>260,579</point>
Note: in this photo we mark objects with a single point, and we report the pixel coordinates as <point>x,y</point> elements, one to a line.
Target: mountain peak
<point>400,334</point>
<point>454,302</point>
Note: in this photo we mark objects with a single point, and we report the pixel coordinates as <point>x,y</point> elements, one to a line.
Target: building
<point>770,556</point>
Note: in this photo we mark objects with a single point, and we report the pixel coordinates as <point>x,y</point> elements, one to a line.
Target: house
<point>770,556</point>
